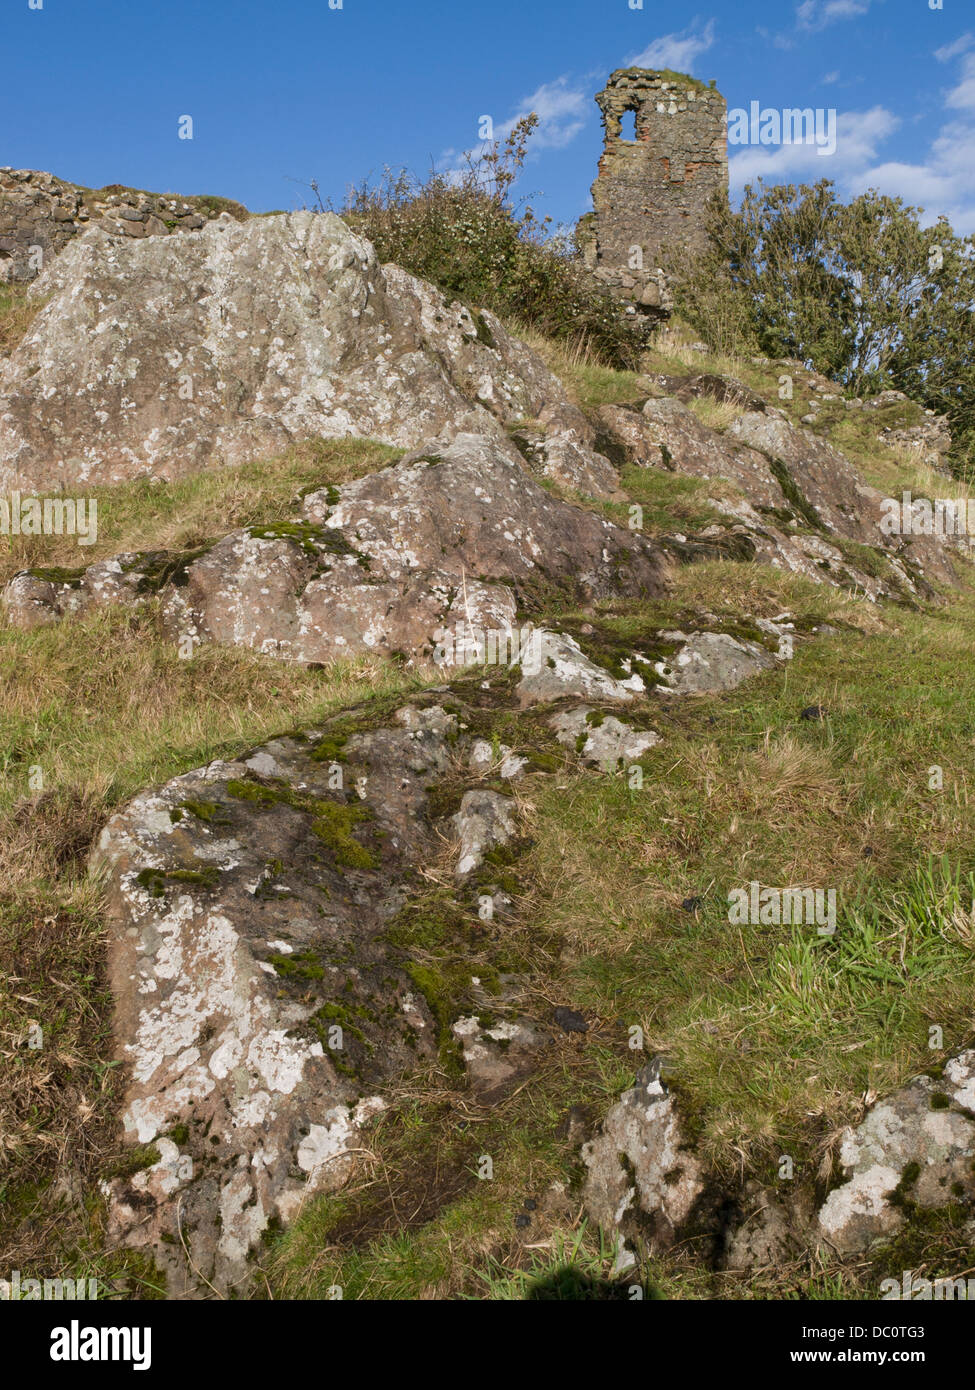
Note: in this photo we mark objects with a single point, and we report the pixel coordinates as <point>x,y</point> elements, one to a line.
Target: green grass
<point>187,513</point>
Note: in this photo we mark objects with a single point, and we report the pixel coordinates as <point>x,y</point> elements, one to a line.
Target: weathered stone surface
<point>602,739</point>
<point>688,446</point>
<point>767,1233</point>
<point>485,821</point>
<point>34,598</point>
<point>564,671</point>
<point>497,1054</point>
<point>569,463</point>
<point>642,1181</point>
<point>710,661</point>
<point>797,495</point>
<point>161,356</point>
<point>403,560</point>
<point>916,1147</point>
<point>248,918</point>
<point>247,909</point>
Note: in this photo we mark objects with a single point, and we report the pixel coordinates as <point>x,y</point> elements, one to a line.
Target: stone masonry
<point>652,192</point>
<point>39,215</point>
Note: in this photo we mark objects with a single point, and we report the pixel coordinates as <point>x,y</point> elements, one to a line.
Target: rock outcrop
<point>403,560</point>
<point>911,1154</point>
<point>801,501</point>
<point>263,1002</point>
<point>643,1180</point>
<point>162,356</point>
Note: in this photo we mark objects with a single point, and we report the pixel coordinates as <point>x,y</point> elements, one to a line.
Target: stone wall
<point>652,192</point>
<point>39,214</point>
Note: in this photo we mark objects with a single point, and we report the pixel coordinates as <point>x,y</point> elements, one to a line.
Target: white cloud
<point>562,112</point>
<point>677,51</point>
<point>952,50</point>
<point>830,77</point>
<point>962,97</point>
<point>942,184</point>
<point>813,15</point>
<point>859,135</point>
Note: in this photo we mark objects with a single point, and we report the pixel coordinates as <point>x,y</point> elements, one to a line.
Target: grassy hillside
<point>775,1041</point>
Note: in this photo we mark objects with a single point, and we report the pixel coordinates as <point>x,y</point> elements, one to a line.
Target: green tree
<point>862,291</point>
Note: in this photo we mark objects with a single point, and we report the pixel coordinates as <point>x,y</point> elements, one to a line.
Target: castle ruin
<point>655,182</point>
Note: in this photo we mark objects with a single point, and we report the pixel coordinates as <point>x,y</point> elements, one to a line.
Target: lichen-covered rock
<point>34,598</point>
<point>163,355</point>
<point>766,1234</point>
<point>915,1148</point>
<point>486,820</point>
<point>261,1007</point>
<point>422,558</point>
<point>562,671</point>
<point>642,1181</point>
<point>706,662</point>
<point>821,484</point>
<point>602,739</point>
<point>798,498</point>
<point>497,1053</point>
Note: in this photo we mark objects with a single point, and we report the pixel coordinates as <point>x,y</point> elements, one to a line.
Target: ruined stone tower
<point>654,183</point>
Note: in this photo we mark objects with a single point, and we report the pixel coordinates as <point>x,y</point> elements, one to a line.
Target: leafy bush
<point>861,291</point>
<point>461,231</point>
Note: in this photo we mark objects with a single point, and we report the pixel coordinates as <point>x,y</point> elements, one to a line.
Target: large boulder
<point>160,356</point>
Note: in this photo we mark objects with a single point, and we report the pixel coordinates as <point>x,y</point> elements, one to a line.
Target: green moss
<point>432,923</point>
<point>442,987</point>
<point>327,1017</point>
<point>543,762</point>
<point>302,965</point>
<point>243,790</point>
<point>900,1197</point>
<point>160,568</point>
<point>155,881</point>
<point>135,1161</point>
<point>785,481</point>
<point>59,575</point>
<point>329,749</point>
<point>313,540</point>
<point>939,1101</point>
<point>484,334</point>
<point>334,823</point>
<point>208,811</point>
<point>205,877</point>
<point>179,1134</point>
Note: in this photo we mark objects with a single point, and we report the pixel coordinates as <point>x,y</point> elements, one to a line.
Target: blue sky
<point>283,91</point>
